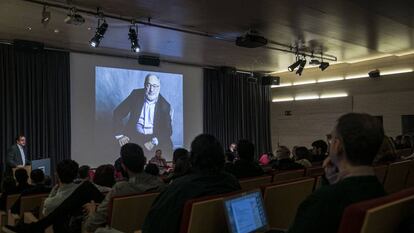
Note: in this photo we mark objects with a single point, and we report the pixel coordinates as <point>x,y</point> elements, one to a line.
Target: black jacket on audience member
<point>321,212</point>
<point>166,211</point>
<point>62,217</point>
<point>243,168</point>
<point>286,164</point>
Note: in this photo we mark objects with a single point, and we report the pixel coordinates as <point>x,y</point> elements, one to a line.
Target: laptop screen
<point>245,213</point>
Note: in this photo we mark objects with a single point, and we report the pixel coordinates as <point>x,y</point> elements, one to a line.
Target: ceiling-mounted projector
<point>250,40</point>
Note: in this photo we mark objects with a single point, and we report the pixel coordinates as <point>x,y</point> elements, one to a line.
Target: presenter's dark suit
<point>14,158</point>
<point>132,107</point>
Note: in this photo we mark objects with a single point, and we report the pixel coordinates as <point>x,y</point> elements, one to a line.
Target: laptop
<point>245,213</point>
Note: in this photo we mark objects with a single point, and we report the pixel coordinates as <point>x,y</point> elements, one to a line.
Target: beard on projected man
<point>149,118</point>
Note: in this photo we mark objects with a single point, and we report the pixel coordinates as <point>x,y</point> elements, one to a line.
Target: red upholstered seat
<point>356,216</point>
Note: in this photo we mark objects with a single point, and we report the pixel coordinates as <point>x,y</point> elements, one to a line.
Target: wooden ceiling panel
<point>347,29</point>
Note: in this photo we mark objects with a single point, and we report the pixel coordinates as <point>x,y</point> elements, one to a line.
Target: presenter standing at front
<point>17,155</point>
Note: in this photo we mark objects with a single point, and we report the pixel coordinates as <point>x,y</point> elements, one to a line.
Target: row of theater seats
<point>28,205</point>
<point>282,194</point>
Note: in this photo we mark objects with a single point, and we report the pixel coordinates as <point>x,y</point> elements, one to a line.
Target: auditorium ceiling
<point>347,29</point>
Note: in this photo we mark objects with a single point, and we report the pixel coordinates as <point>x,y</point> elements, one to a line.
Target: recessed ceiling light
<point>357,76</point>
<point>307,97</point>
<point>400,71</point>
<point>332,79</point>
<point>333,95</point>
<point>29,28</point>
<point>282,99</point>
<point>282,85</point>
<point>56,31</point>
<point>304,82</point>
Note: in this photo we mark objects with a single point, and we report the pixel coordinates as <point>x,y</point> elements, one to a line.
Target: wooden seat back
<point>127,213</point>
<point>282,200</point>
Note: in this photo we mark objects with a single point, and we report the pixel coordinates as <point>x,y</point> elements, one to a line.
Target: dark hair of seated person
<point>229,157</point>
<point>207,154</point>
<point>301,152</point>
<point>21,176</point>
<point>132,156</point>
<point>178,153</point>
<point>105,176</point>
<point>9,183</point>
<point>182,166</point>
<point>245,150</point>
<point>320,144</point>
<point>181,161</point>
<point>67,171</point>
<point>362,137</point>
<point>152,169</point>
<point>84,171</point>
<point>37,176</point>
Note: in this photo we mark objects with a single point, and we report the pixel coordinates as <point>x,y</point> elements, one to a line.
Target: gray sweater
<point>139,183</point>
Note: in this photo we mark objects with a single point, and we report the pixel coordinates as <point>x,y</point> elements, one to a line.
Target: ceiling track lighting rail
<point>298,51</point>
<point>279,46</point>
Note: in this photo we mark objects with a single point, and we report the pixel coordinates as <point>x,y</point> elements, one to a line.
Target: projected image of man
<point>150,117</point>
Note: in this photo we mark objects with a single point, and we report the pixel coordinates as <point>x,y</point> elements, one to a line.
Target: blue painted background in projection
<point>113,85</point>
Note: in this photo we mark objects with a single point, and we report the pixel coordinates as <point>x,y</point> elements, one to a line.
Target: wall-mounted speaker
<point>270,80</point>
<point>149,60</point>
<point>374,74</point>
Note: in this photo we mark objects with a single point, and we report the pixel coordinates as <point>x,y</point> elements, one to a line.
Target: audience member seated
<point>22,179</point>
<point>152,169</point>
<point>406,142</point>
<point>38,180</point>
<point>284,161</point>
<point>83,174</point>
<point>207,178</point>
<point>319,149</point>
<point>159,161</point>
<point>63,207</point>
<point>232,149</point>
<point>387,152</point>
<point>11,188</point>
<point>246,166</point>
<point>398,142</point>
<point>181,165</point>
<point>266,158</point>
<point>120,174</point>
<point>133,162</point>
<point>229,162</point>
<point>104,178</point>
<point>301,156</point>
<point>67,171</point>
<point>355,142</point>
<point>8,188</point>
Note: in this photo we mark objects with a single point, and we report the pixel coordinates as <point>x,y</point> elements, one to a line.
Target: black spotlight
<point>133,37</point>
<point>100,32</point>
<point>294,65</point>
<point>45,16</point>
<point>301,66</point>
<point>323,65</point>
